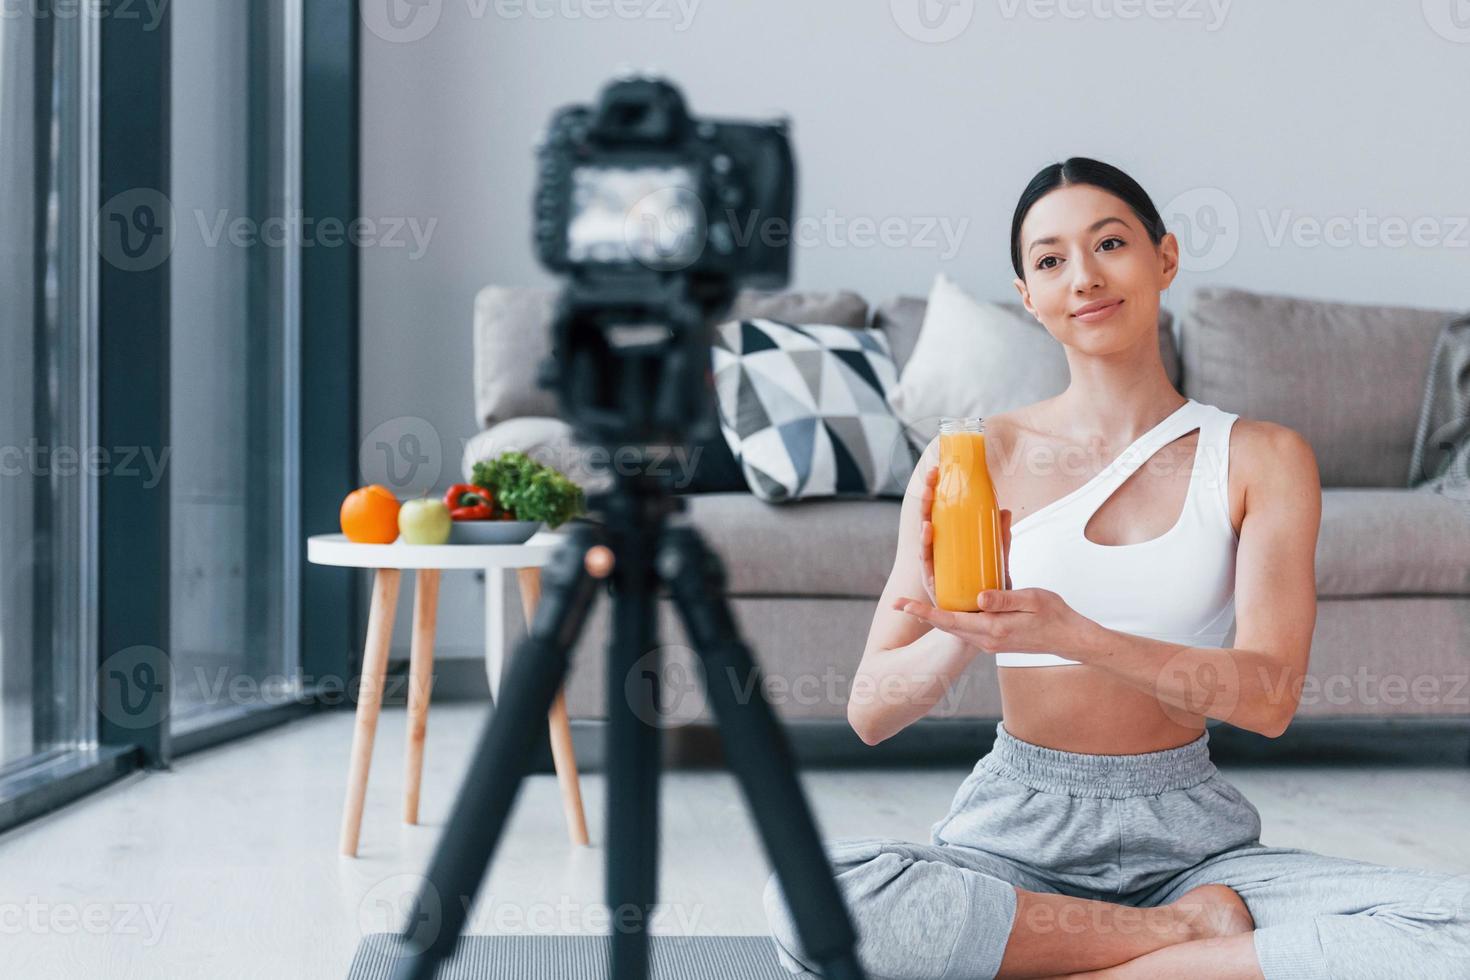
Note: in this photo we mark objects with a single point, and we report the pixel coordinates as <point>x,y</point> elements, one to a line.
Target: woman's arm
<point>908,667</point>
<point>1256,684</point>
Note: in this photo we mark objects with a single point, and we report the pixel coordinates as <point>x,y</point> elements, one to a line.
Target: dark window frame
<point>132,357</point>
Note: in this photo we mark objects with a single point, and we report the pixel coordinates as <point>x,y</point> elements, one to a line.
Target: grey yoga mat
<point>581,958</point>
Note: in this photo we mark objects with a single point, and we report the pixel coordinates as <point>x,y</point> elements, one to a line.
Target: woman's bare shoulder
<point>1258,446</point>
<point>1269,462</point>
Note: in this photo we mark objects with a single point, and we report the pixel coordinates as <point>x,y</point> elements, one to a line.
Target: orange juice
<point>967,543</point>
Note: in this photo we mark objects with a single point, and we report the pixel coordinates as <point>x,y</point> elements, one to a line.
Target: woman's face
<point>1093,277</point>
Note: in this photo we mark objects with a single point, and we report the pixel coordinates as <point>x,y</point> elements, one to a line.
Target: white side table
<point>427,561</point>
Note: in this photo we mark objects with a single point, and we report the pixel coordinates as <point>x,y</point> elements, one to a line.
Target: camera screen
<point>651,215</point>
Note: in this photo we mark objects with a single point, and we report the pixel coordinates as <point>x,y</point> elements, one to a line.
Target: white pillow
<point>974,358</point>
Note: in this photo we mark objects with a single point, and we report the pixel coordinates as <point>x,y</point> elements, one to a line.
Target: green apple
<point>424,521</point>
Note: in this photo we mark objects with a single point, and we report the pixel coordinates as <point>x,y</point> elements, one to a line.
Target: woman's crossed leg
<point>957,913</point>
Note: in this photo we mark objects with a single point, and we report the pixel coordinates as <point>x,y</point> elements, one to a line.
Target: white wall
<point>1299,112</point>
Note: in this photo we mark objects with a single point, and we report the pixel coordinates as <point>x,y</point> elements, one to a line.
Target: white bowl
<point>493,532</point>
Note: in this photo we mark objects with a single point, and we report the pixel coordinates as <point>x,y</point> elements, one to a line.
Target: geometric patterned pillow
<point>805,411</point>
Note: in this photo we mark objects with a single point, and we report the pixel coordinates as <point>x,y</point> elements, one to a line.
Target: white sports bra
<point>1178,587</point>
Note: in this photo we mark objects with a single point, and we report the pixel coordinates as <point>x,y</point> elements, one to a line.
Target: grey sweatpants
<point>1137,830</point>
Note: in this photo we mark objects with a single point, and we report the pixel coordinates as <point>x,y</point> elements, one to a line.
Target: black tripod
<point>644,551</point>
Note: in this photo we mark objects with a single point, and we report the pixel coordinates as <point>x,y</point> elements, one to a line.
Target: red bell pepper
<point>467,502</point>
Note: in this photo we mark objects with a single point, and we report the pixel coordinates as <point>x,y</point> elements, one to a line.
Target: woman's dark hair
<point>1081,170</point>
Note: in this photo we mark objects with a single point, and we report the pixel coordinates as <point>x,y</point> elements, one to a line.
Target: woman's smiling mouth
<point>1099,311</point>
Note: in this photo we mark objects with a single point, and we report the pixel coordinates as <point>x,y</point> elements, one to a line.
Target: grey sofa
<point>1392,637</point>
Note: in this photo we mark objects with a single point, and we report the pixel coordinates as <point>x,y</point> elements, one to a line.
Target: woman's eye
<point>1111,241</point>
<point>1045,259</point>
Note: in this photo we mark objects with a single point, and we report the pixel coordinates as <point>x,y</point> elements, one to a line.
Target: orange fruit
<point>370,515</point>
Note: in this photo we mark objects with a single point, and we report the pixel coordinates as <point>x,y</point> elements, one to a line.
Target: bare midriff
<point>1081,708</point>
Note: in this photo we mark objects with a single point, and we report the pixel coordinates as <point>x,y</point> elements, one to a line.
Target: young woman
<point>1096,838</point>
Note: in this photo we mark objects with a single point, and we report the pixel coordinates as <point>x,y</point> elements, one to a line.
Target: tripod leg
<point>536,673</point>
<point>632,754</point>
<point>759,755</point>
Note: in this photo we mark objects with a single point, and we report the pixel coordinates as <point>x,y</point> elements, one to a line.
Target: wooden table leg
<point>562,754</point>
<point>369,702</point>
<point>420,683</point>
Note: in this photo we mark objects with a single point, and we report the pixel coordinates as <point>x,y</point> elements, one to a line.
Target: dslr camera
<point>655,220</point>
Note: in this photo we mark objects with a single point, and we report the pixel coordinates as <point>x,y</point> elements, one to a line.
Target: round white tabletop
<point>335,549</point>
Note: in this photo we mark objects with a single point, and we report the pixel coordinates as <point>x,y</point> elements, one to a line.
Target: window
<point>48,453</point>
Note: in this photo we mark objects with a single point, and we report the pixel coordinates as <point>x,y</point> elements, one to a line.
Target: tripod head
<point>652,216</point>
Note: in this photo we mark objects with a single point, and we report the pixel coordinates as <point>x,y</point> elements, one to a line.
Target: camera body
<point>636,185</point>
<point>655,220</point>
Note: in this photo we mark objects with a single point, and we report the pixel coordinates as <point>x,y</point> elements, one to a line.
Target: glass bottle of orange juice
<point>966,516</point>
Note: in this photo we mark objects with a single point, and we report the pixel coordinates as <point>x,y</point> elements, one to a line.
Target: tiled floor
<point>227,866</point>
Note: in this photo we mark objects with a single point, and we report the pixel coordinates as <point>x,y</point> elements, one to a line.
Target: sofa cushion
<point>803,409</point>
<point>512,336</point>
<point>806,548</point>
<point>901,317</point>
<point>839,306</point>
<point>1348,378</point>
<point>1392,542</point>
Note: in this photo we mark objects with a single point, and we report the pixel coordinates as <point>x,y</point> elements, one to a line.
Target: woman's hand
<point>1019,620</point>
